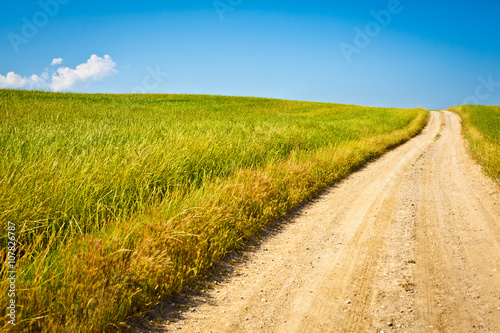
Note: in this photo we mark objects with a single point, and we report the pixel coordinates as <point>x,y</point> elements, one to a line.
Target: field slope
<point>481,126</point>
<point>119,201</point>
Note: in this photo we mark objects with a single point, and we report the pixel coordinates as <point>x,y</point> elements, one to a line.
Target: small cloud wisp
<point>56,61</point>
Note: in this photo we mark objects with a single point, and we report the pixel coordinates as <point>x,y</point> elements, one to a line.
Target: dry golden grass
<point>481,127</point>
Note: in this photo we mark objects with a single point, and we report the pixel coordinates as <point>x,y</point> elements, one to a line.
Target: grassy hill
<point>481,126</point>
<point>119,201</point>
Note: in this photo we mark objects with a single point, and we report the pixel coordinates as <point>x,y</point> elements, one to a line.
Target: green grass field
<point>119,201</point>
<point>481,126</point>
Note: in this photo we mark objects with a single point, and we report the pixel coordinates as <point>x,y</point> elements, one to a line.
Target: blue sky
<point>416,53</point>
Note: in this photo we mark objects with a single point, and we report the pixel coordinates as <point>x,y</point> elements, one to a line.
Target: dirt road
<point>411,243</point>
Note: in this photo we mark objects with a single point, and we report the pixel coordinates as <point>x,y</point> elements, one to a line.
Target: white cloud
<point>13,80</point>
<point>56,61</point>
<point>95,69</point>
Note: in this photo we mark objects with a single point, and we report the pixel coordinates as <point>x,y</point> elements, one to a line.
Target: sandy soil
<point>410,243</point>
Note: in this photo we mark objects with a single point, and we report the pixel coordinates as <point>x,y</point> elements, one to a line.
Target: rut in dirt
<point>410,243</point>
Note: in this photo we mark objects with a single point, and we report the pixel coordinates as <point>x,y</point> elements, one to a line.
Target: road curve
<point>410,243</point>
